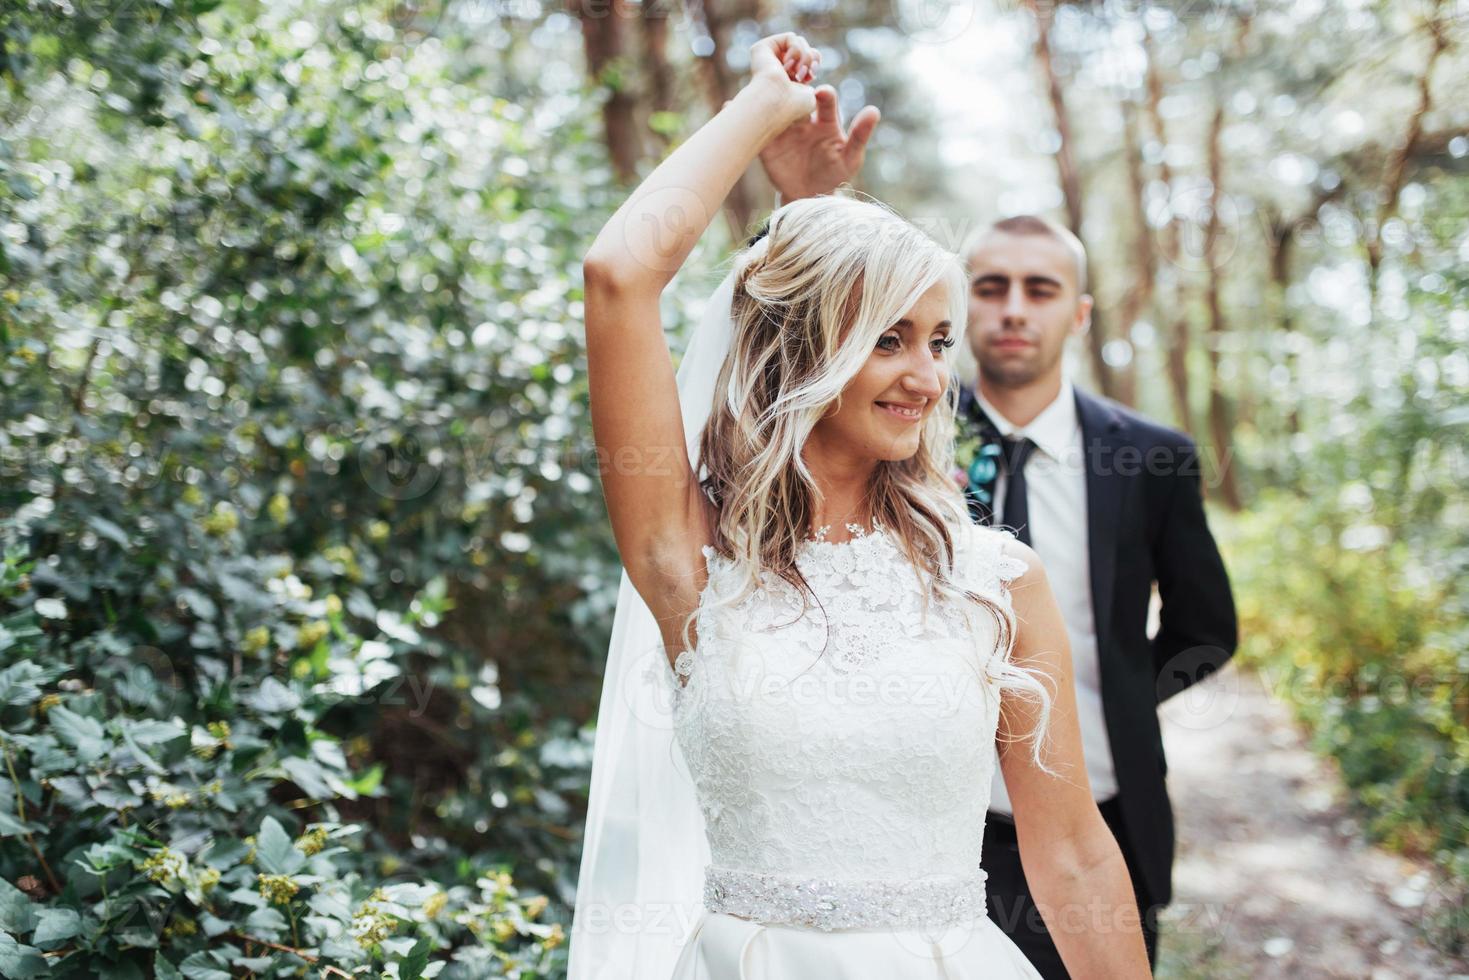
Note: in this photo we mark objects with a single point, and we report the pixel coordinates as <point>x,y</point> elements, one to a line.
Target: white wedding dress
<point>844,783</point>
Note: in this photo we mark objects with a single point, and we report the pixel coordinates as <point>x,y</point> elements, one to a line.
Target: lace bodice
<point>867,753</point>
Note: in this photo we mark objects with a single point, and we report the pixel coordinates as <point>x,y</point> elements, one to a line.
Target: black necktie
<point>1017,510</point>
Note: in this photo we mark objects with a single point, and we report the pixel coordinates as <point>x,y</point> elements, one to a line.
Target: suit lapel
<point>1102,432</point>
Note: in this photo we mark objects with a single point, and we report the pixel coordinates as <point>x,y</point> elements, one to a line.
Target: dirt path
<point>1273,879</point>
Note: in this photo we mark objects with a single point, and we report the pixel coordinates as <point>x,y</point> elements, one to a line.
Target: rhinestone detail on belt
<point>845,903</point>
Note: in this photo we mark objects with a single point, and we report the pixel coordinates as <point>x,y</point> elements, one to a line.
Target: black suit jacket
<point>1145,524</point>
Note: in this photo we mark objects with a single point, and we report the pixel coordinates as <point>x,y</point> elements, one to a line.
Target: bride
<point>817,659</point>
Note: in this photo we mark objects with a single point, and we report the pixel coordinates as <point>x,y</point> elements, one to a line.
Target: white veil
<point>642,868</point>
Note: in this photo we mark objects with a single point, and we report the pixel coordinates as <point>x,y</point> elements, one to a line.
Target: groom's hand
<point>813,156</point>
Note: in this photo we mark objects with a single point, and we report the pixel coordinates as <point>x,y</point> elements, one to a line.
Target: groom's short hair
<point>1034,224</point>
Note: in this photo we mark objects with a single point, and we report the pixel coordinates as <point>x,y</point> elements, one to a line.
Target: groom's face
<point>1024,302</point>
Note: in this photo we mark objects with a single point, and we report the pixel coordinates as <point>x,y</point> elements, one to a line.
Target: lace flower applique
<point>1009,567</point>
<point>998,568</point>
<point>857,531</point>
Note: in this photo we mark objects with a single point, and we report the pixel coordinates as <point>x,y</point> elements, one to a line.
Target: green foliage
<point>1353,572</point>
<point>1354,586</point>
<point>1371,654</point>
<point>287,393</point>
<point>306,576</point>
<point>130,835</point>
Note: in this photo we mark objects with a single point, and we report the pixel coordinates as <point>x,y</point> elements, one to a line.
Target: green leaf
<point>308,775</point>
<point>146,760</point>
<point>21,682</point>
<point>119,970</point>
<point>274,851</point>
<point>19,187</point>
<point>54,925</point>
<point>203,966</point>
<point>413,964</point>
<point>199,604</point>
<point>101,858</point>
<point>367,783</point>
<point>273,698</point>
<point>72,727</point>
<point>17,912</point>
<point>149,731</point>
<point>12,827</point>
<point>18,961</point>
<point>109,530</point>
<point>266,923</point>
<point>84,734</point>
<point>665,123</point>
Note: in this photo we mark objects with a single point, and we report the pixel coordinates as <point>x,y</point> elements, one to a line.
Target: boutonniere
<point>977,462</point>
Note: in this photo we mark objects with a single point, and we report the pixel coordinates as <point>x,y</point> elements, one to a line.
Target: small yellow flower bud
<point>278,889</point>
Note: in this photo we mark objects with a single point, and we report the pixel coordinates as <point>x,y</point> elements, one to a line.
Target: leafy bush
<point>1370,653</point>
<point>1353,577</point>
<point>132,839</point>
<point>303,569</point>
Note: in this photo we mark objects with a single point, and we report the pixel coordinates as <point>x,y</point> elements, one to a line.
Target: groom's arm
<point>1197,631</point>
<point>818,155</point>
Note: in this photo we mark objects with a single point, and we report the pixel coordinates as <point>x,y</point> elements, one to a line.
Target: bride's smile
<point>883,411</point>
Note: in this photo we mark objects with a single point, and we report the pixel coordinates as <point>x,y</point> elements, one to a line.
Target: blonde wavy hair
<point>811,299</point>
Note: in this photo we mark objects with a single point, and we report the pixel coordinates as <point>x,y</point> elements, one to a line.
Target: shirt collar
<point>1052,430</point>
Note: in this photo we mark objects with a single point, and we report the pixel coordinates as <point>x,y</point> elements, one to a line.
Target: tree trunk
<point>1221,426</point>
<point>1283,231</point>
<point>1071,188</point>
<point>1178,383</point>
<point>1282,241</point>
<point>603,29</point>
<point>658,74</point>
<point>720,85</point>
<point>1171,297</point>
<point>1139,295</point>
<point>1397,166</point>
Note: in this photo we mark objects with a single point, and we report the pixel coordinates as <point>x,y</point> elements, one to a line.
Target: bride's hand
<point>783,65</point>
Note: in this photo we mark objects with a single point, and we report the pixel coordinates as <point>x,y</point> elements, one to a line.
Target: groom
<point>1110,501</point>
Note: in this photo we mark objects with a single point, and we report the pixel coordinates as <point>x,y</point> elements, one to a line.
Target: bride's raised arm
<point>653,499</point>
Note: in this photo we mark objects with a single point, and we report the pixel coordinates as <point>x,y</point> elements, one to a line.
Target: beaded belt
<point>845,903</point>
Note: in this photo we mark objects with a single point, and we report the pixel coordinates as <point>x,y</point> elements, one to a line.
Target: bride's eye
<point>946,343</point>
<point>880,340</point>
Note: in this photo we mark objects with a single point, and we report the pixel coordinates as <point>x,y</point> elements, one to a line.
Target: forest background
<point>307,578</point>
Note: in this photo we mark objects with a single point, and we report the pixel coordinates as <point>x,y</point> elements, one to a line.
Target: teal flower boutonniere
<point>979,467</point>
<point>977,456</point>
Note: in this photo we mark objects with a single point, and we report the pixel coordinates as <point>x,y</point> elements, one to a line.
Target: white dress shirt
<point>1055,493</point>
